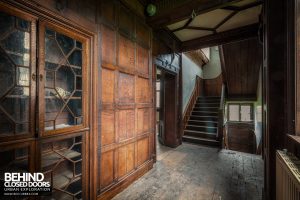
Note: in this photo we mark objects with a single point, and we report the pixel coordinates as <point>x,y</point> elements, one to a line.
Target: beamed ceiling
<point>195,24</point>
<point>230,17</point>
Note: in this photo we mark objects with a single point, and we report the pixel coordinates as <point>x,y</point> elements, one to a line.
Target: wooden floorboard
<point>202,173</point>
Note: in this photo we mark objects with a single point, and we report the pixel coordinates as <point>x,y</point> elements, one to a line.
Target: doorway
<point>166,107</point>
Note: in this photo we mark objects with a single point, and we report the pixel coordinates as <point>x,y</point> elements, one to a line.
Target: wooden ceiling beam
<point>237,34</point>
<point>184,11</point>
<point>249,97</point>
<point>241,8</point>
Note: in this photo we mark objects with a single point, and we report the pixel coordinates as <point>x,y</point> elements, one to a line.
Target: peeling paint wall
<point>189,72</point>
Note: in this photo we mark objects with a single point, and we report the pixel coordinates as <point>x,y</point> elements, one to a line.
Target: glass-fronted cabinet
<point>63,66</point>
<point>17,89</point>
<point>43,101</point>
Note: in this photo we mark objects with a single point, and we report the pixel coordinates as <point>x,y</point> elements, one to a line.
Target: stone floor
<point>197,172</point>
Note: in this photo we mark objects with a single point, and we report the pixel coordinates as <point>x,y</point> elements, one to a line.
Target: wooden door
<point>170,110</point>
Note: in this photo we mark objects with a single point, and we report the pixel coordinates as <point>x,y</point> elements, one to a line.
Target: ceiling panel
<point>242,18</point>
<point>177,25</point>
<point>187,34</point>
<point>210,19</point>
<point>229,17</point>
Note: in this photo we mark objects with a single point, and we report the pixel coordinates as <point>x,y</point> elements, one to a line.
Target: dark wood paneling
<point>213,87</point>
<point>240,137</point>
<point>242,61</point>
<point>127,127</point>
<point>108,45</point>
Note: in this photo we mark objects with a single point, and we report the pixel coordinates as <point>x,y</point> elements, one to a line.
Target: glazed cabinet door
<point>17,74</point>
<point>63,162</point>
<point>63,80</point>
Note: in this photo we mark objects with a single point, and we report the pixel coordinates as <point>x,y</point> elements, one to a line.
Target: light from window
<point>240,112</point>
<point>245,113</point>
<point>234,113</point>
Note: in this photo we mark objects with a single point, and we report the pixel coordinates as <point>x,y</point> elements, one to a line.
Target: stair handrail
<point>221,116</point>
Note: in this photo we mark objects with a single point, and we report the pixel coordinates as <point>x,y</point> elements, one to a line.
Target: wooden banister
<point>221,116</point>
<point>198,91</point>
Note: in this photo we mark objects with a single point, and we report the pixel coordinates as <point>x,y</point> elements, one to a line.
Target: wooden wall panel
<point>108,86</point>
<point>143,34</point>
<point>107,169</point>
<point>108,12</point>
<point>213,87</point>
<point>125,88</point>
<point>107,131</point>
<point>240,137</point>
<point>142,61</point>
<point>126,54</point>
<point>143,120</point>
<point>126,159</point>
<point>126,22</point>
<point>143,90</point>
<point>108,46</point>
<point>143,151</point>
<point>126,124</point>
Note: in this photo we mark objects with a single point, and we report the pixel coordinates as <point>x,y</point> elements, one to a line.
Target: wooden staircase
<point>202,125</point>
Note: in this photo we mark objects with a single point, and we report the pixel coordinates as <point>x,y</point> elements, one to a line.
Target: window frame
<point>240,114</point>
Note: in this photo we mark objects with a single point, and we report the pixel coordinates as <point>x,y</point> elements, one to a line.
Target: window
<point>240,112</point>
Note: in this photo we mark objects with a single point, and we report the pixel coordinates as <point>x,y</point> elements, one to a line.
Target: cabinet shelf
<point>52,97</point>
<point>62,179</point>
<point>53,157</point>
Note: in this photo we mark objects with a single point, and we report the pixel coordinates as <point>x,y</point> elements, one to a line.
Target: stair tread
<point>203,111</point>
<point>201,126</point>
<point>207,103</point>
<point>200,138</point>
<point>195,131</point>
<point>202,121</point>
<point>204,116</point>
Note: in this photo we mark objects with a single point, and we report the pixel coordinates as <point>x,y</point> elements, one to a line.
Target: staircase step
<point>213,109</point>
<point>202,128</point>
<point>204,118</point>
<point>204,113</point>
<point>201,105</point>
<point>200,134</point>
<point>209,97</point>
<point>203,123</point>
<point>203,141</point>
<point>207,101</point>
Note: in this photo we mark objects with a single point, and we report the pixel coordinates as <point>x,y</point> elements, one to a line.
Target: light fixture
<point>151,9</point>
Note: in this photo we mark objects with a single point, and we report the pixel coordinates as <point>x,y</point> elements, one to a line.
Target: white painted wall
<point>213,68</point>
<point>189,72</point>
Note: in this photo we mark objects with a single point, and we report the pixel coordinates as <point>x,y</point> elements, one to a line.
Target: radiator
<point>287,176</point>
